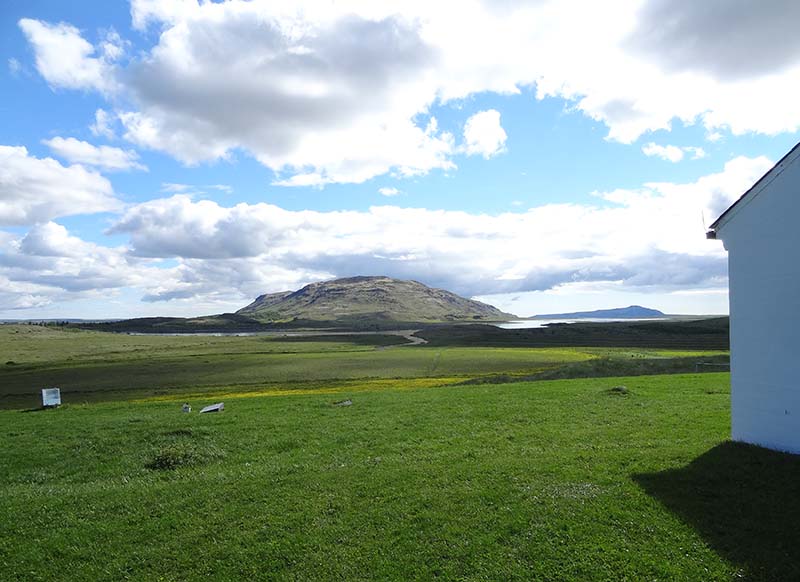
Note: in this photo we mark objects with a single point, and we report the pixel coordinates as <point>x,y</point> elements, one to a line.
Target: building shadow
<point>745,503</point>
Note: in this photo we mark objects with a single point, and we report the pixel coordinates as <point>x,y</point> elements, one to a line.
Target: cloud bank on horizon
<point>331,96</point>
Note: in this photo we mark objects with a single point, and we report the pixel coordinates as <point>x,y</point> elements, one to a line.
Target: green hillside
<point>359,299</point>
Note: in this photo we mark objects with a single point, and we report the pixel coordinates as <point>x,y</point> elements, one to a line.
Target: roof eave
<point>754,189</point>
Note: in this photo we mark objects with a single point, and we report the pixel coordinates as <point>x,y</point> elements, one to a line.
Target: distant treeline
<point>40,323</point>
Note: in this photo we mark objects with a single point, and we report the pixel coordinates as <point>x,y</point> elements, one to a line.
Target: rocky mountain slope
<point>370,299</point>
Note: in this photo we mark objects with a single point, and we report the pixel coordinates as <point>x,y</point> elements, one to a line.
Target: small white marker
<point>51,397</point>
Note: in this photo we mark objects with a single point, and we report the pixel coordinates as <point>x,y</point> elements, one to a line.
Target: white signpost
<point>51,397</point>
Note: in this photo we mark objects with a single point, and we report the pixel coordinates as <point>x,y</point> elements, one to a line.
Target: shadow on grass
<point>745,503</point>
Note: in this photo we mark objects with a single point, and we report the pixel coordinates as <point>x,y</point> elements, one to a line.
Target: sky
<point>176,157</point>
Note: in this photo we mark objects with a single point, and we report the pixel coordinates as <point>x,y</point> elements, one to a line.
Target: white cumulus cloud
<point>672,153</point>
<point>342,92</point>
<point>697,153</point>
<point>39,189</point>
<point>14,67</point>
<point>103,125</point>
<point>219,257</point>
<point>49,264</point>
<point>649,238</point>
<point>483,134</point>
<point>66,60</point>
<point>105,157</point>
<point>331,98</point>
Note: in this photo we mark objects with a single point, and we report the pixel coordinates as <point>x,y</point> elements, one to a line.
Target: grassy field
<point>560,480</point>
<point>91,366</point>
<point>448,464</point>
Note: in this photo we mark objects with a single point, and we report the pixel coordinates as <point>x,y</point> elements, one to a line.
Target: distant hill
<point>367,299</point>
<point>632,312</point>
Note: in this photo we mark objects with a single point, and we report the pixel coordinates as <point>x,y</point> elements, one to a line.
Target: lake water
<point>529,323</point>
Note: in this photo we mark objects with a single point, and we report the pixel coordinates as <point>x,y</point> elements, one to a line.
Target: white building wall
<point>763,243</point>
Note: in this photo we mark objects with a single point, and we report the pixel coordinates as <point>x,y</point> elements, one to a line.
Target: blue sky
<point>180,158</point>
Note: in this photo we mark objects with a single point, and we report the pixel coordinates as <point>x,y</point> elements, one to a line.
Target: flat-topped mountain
<point>359,299</point>
<point>631,312</point>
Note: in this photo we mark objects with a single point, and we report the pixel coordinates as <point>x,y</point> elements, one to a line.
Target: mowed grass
<point>559,480</point>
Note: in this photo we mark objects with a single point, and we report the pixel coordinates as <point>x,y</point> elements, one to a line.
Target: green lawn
<point>448,465</point>
<point>561,480</point>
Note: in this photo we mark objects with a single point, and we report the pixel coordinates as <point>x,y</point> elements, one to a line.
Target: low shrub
<point>183,453</point>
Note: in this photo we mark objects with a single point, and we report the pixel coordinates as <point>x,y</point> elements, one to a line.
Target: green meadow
<point>449,463</point>
<point>92,366</point>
